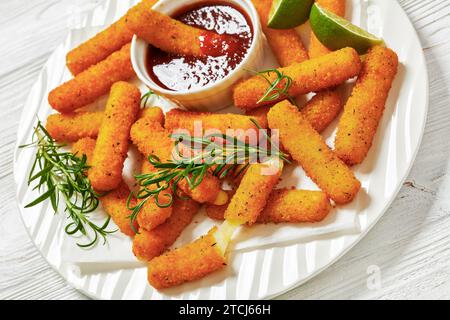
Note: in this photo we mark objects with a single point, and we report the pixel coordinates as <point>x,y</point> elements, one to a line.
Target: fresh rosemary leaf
<point>63,177</point>
<point>278,88</point>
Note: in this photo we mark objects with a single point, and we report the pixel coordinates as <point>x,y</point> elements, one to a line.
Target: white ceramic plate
<point>267,271</point>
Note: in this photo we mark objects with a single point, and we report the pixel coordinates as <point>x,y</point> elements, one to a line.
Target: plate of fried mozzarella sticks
<point>217,149</point>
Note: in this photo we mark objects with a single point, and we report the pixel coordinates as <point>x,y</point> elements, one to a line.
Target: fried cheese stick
<point>316,48</point>
<point>365,107</point>
<point>307,147</point>
<point>92,83</point>
<point>113,138</point>
<point>285,44</point>
<point>151,215</point>
<point>286,206</point>
<point>114,202</point>
<point>188,263</point>
<point>150,244</point>
<point>320,111</point>
<point>101,45</point>
<point>71,127</point>
<point>326,105</point>
<point>236,124</point>
<point>152,139</point>
<point>309,76</point>
<point>252,194</point>
<point>171,35</point>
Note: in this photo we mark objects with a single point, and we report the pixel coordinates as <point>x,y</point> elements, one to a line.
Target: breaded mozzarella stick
<point>309,76</point>
<point>112,143</point>
<point>180,119</point>
<point>171,35</point>
<point>114,202</point>
<point>320,111</point>
<point>286,206</point>
<point>150,244</point>
<point>252,194</point>
<point>152,139</point>
<point>188,263</point>
<point>72,127</point>
<point>365,107</point>
<point>307,147</point>
<point>92,83</point>
<point>100,46</point>
<point>151,215</point>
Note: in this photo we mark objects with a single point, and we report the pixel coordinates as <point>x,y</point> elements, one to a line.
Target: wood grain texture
<point>410,245</point>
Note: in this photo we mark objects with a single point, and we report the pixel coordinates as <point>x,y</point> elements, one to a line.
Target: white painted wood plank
<point>411,244</point>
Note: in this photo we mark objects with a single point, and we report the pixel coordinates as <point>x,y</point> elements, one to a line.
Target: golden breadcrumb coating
<point>152,139</point>
<point>100,46</point>
<point>252,194</point>
<point>216,212</point>
<point>153,114</point>
<point>365,107</point>
<point>168,34</point>
<point>285,206</point>
<point>306,146</point>
<point>92,83</point>
<point>150,244</point>
<point>295,206</point>
<point>322,109</point>
<point>114,202</point>
<point>113,138</point>
<point>180,119</point>
<point>188,263</point>
<point>151,215</point>
<point>71,127</point>
<point>84,146</point>
<point>309,76</point>
<point>115,205</point>
<point>260,115</point>
<point>285,44</point>
<point>316,48</point>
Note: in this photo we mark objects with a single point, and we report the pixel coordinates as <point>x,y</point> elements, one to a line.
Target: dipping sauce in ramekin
<point>181,73</point>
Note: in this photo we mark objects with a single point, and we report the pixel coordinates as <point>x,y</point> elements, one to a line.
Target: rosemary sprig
<point>278,89</point>
<point>147,96</point>
<point>61,176</point>
<point>217,153</point>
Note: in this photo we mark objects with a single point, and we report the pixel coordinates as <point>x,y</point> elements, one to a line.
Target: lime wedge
<point>336,33</point>
<point>288,14</point>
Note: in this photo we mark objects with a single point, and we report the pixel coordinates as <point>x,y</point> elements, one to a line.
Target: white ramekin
<point>214,96</point>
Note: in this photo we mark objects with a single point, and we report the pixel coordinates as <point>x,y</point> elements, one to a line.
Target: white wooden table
<point>410,245</point>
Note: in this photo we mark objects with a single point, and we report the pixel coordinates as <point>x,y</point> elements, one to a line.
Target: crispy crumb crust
<point>188,263</point>
<point>150,244</point>
<point>309,76</point>
<point>71,127</point>
<point>114,202</point>
<point>113,138</point>
<point>365,107</point>
<point>285,206</point>
<point>92,83</point>
<point>100,46</point>
<point>307,147</point>
<point>252,194</point>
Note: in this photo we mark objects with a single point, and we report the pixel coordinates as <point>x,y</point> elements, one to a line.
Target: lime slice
<point>336,33</point>
<point>288,14</point>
